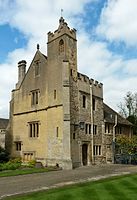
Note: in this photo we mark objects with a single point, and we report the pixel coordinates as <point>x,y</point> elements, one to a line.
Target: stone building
<point>57,115</point>
<point>3,127</point>
<point>115,125</point>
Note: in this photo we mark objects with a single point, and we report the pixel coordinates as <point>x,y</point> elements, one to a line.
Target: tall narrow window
<point>84,101</point>
<point>18,146</point>
<point>97,150</point>
<point>86,128</point>
<point>93,104</point>
<point>89,128</point>
<point>30,129</point>
<point>57,132</point>
<point>119,130</point>
<point>61,46</point>
<point>55,94</point>
<point>71,72</point>
<point>37,93</point>
<point>37,68</point>
<point>108,128</point>
<point>34,129</point>
<point>34,97</point>
<point>105,128</point>
<point>74,136</point>
<point>94,129</point>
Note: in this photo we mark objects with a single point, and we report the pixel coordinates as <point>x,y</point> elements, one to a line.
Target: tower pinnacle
<point>37,46</point>
<point>61,12</point>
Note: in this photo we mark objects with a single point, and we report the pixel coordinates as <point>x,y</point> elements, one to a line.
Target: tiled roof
<point>109,116</point>
<point>3,123</point>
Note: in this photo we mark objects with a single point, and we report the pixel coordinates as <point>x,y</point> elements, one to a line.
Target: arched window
<point>61,46</point>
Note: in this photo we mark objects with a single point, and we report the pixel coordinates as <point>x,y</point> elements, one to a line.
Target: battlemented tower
<point>56,113</point>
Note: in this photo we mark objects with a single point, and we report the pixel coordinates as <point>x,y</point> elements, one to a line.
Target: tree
<point>127,145</point>
<point>4,156</point>
<point>126,149</point>
<point>123,144</point>
<point>133,120</point>
<point>128,109</point>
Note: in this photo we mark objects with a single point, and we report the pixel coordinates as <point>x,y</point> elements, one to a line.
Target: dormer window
<point>37,68</point>
<point>61,46</point>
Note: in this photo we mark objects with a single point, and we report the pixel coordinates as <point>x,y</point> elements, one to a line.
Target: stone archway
<point>85,154</point>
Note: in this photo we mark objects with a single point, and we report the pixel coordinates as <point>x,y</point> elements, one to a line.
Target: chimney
<point>21,72</point>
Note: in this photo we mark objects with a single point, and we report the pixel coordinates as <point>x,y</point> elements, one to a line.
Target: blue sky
<point>11,38</point>
<point>106,31</point>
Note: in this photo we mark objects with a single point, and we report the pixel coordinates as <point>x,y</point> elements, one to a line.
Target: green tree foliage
<point>128,109</point>
<point>4,156</point>
<point>126,145</point>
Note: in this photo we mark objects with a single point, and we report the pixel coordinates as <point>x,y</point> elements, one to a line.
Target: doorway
<point>84,154</point>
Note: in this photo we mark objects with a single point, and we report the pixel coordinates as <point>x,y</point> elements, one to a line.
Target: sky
<point>106,39</point>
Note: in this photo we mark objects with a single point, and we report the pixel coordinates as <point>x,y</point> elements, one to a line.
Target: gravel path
<point>42,181</point>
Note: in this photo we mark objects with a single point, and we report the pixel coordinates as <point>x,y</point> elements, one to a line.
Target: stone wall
<point>2,138</point>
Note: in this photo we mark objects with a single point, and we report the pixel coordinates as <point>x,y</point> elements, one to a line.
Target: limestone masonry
<point>57,115</point>
<point>3,127</point>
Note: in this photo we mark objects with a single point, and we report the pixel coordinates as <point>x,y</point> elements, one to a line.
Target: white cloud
<point>7,8</point>
<point>117,74</point>
<point>115,89</point>
<point>98,61</point>
<point>118,21</point>
<point>34,20</point>
<point>131,67</point>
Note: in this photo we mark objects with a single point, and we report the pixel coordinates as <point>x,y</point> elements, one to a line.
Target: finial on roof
<point>37,46</point>
<point>61,12</point>
<point>61,20</point>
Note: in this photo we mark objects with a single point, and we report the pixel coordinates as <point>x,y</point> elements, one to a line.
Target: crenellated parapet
<point>83,78</point>
<point>97,87</point>
<point>95,83</point>
<point>62,29</point>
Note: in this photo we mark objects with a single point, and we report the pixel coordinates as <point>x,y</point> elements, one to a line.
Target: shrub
<point>4,155</point>
<point>16,160</point>
<point>11,165</point>
<point>31,163</point>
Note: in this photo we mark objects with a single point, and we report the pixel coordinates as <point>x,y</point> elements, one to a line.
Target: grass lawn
<point>25,171</point>
<point>118,188</point>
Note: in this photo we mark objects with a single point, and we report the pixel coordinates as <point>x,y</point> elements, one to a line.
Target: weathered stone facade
<point>3,128</point>
<point>57,114</point>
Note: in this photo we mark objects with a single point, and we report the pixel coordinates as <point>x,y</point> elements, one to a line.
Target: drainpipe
<point>92,122</point>
<point>114,137</point>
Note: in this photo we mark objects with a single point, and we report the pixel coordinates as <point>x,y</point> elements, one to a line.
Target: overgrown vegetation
<point>16,163</point>
<point>4,155</point>
<point>128,109</point>
<point>11,164</point>
<point>15,167</point>
<point>127,145</point>
<point>126,150</point>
